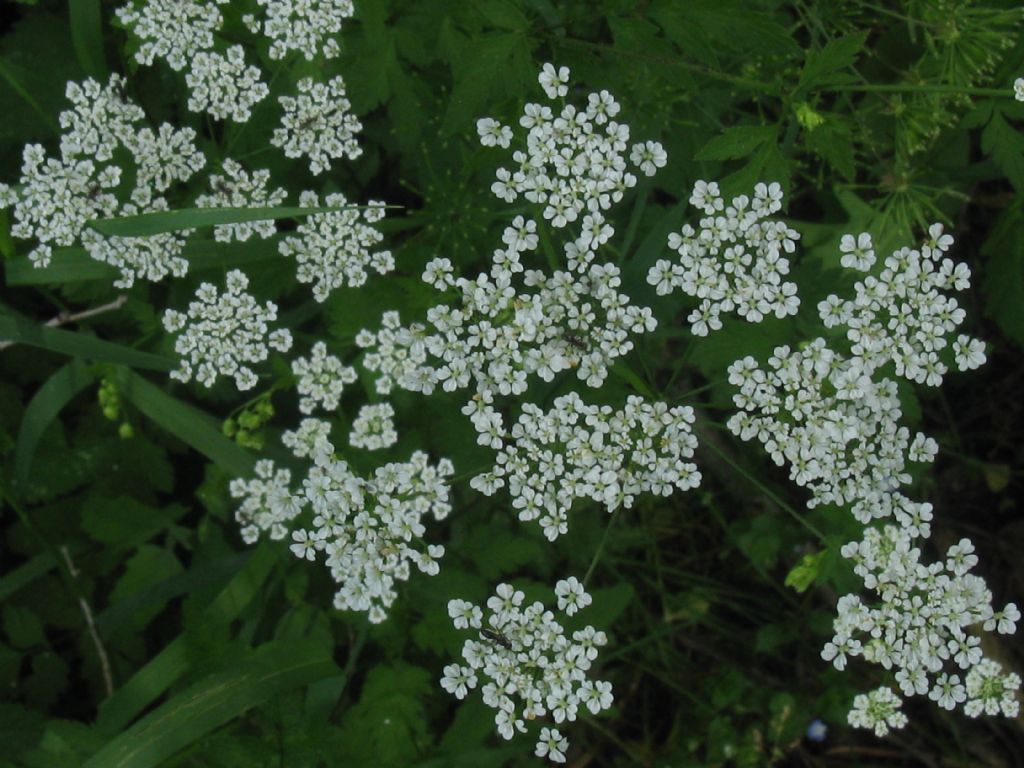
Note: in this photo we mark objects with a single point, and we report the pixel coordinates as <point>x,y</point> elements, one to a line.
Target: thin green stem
<point>766,490</point>
<point>922,88</point>
<point>600,547</point>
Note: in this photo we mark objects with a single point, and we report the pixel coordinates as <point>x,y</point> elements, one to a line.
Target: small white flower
<point>1018,89</point>
<point>554,82</point>
<point>551,745</point>
<point>571,595</point>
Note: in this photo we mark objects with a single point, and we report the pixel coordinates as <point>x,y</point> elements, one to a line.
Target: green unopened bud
<point>807,117</point>
<point>249,420</point>
<point>229,427</point>
<point>112,412</point>
<point>125,431</point>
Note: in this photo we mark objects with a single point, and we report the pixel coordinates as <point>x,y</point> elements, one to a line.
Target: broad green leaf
<point>149,565</point>
<point>822,67</point>
<point>121,521</point>
<point>190,425</point>
<point>503,13</point>
<point>79,345</point>
<point>25,574</point>
<point>22,627</point>
<point>51,398</point>
<point>736,142</point>
<point>272,670</point>
<point>156,223</point>
<point>86,24</point>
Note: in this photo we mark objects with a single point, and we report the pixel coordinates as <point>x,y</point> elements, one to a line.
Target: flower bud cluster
<point>101,149</point>
<point>222,333</point>
<point>902,315</point>
<point>574,162</point>
<point>919,626</point>
<point>308,26</point>
<point>734,261</point>
<point>321,379</point>
<point>334,249</point>
<point>237,188</point>
<point>318,124</point>
<point>578,451</point>
<point>374,428</point>
<point>525,654</point>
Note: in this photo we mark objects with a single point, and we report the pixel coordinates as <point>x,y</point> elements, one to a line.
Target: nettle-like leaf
<point>388,724</point>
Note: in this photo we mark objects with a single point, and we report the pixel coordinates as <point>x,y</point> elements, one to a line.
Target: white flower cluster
<point>499,336</point>
<point>222,333</point>
<point>585,451</point>
<point>902,316</point>
<point>374,428</point>
<point>318,124</point>
<point>524,652</point>
<point>308,26</point>
<point>268,504</point>
<point>835,427</point>
<point>574,162</point>
<point>237,188</point>
<point>734,261</point>
<point>101,148</point>
<point>878,710</point>
<point>182,33</point>
<point>1018,89</point>
<point>370,530</point>
<point>919,625</point>
<point>334,249</point>
<point>223,86</point>
<point>321,379</point>
<point>174,30</point>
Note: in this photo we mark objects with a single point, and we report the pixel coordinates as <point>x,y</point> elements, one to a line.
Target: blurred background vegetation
<point>137,630</point>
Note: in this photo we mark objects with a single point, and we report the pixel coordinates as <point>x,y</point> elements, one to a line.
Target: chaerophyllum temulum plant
<point>548,307</point>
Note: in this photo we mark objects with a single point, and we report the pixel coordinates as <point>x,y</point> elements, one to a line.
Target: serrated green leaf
<point>274,669</point>
<point>1006,146</point>
<point>823,66</point>
<point>736,142</point>
<point>487,61</point>
<point>49,401</point>
<point>1004,274</point>
<point>79,345</point>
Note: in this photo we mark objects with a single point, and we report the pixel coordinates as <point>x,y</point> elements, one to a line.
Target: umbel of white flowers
<point>532,667</point>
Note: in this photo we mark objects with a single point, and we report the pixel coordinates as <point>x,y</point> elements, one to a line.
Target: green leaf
<point>87,36</point>
<point>1004,274</point>
<point>51,398</point>
<point>806,572</point>
<point>25,574</point>
<point>122,521</point>
<point>68,265</point>
<point>148,566</point>
<point>167,667</point>
<point>487,61</point>
<point>145,224</point>
<point>189,424</point>
<point>22,627</point>
<point>1006,146</point>
<point>273,670</point>
<point>736,142</point>
<point>504,14</point>
<point>822,67</point>
<point>79,345</point>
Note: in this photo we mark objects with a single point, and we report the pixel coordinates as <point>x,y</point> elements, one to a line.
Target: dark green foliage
<point>137,630</point>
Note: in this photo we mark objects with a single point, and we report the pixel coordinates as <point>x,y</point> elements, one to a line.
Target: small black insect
<point>497,638</point>
<point>576,342</point>
<point>93,191</point>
